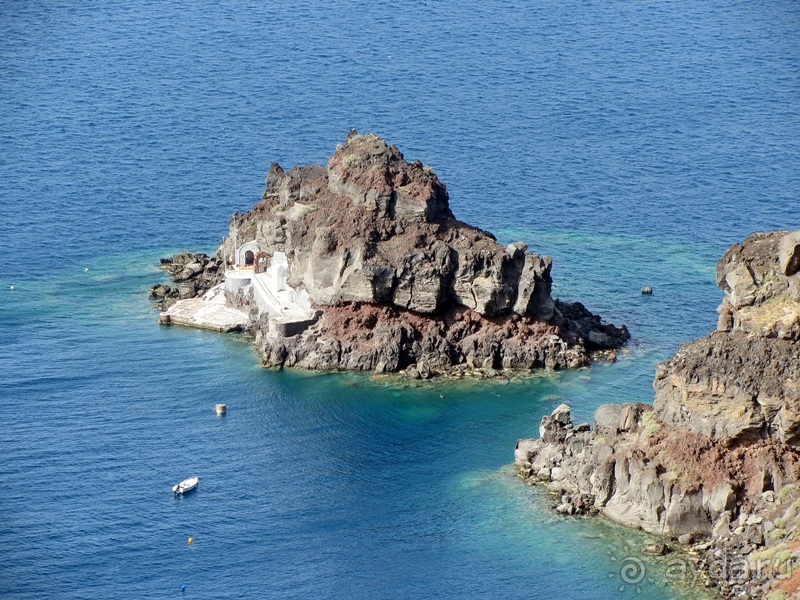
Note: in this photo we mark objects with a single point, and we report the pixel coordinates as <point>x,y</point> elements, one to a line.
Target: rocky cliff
<point>397,282</point>
<point>374,228</point>
<point>743,381</point>
<point>717,458</point>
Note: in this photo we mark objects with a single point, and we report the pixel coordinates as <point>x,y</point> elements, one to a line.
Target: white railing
<point>281,304</point>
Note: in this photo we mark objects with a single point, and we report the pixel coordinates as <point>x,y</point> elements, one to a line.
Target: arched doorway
<point>246,254</point>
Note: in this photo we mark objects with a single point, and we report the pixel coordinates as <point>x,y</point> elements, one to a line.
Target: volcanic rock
<point>393,278</point>
<point>716,461</point>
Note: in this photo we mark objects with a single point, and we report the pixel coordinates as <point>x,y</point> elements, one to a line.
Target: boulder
<point>789,253</point>
<point>187,290</point>
<point>607,419</point>
<point>742,286</point>
<point>533,288</point>
<point>612,419</point>
<point>523,451</point>
<point>721,499</point>
<point>553,428</point>
<point>656,549</point>
<point>722,526</point>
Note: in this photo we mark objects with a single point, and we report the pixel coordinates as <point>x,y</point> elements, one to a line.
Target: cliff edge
<point>716,459</point>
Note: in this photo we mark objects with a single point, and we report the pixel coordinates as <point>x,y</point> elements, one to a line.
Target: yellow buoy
<point>190,540</point>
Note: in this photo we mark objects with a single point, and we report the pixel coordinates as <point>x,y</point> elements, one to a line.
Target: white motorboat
<point>187,485</point>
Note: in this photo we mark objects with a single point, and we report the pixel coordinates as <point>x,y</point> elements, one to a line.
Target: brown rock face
<point>733,385</point>
<point>743,382</point>
<point>761,269</point>
<point>718,455</point>
<point>371,229</point>
<point>375,175</point>
<point>374,228</point>
<point>644,474</point>
<point>789,253</point>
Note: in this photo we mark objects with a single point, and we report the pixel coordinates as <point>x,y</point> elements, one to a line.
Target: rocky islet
<point>394,281</point>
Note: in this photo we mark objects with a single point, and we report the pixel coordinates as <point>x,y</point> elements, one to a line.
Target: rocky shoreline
<point>194,273</point>
<point>715,462</point>
<point>359,265</point>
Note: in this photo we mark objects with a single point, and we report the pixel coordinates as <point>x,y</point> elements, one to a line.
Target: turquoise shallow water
<point>633,142</point>
<point>312,484</point>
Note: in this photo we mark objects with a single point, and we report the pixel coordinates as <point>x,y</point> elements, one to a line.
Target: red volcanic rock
<point>375,175</point>
<point>383,338</point>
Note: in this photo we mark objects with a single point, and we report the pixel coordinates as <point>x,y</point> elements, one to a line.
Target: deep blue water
<point>632,141</point>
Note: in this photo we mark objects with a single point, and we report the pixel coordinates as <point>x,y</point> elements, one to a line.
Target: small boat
<point>187,485</point>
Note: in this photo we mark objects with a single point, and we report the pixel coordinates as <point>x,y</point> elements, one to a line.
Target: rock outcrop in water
<point>368,245</point>
<point>195,274</point>
<point>718,455</point>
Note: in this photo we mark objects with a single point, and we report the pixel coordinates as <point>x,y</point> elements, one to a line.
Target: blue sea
<point>632,141</point>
